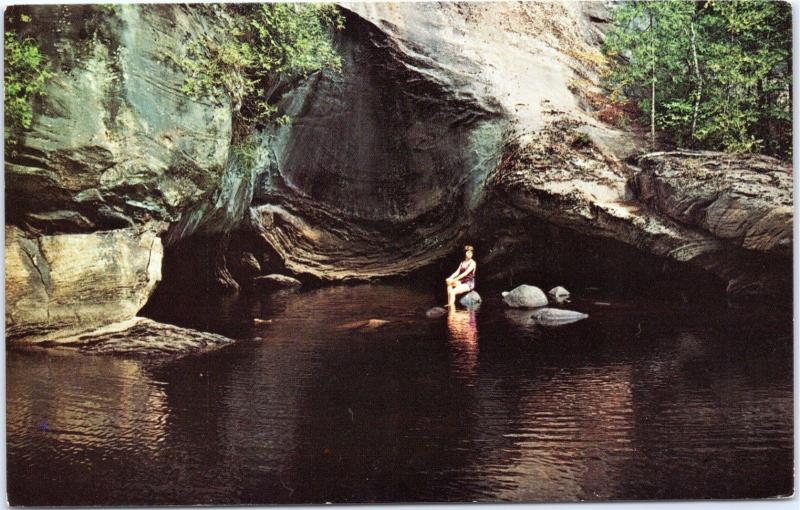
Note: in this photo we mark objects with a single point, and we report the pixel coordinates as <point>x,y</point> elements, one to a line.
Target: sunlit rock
<point>745,199</point>
<point>525,296</point>
<point>62,285</point>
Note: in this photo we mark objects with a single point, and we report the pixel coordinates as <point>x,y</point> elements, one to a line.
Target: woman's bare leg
<point>455,291</point>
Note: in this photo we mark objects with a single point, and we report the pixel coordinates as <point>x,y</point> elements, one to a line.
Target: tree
<point>712,74</point>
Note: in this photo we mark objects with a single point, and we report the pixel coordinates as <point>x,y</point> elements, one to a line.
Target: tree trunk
<point>653,88</point>
<point>699,90</point>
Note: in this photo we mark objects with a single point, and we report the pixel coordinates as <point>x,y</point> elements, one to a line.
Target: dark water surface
<point>642,400</point>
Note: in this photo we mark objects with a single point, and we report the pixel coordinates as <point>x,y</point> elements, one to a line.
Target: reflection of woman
<point>464,340</point>
<point>463,280</point>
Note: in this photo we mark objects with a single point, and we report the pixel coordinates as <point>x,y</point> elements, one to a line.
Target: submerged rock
<point>363,325</point>
<point>556,316</point>
<point>436,312</point>
<point>525,296</point>
<point>559,294</point>
<point>470,300</point>
<point>277,281</point>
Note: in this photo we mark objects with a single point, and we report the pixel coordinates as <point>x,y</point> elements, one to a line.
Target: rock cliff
<point>116,153</point>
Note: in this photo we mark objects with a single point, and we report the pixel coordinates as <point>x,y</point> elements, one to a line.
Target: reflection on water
<point>638,401</point>
<point>462,327</point>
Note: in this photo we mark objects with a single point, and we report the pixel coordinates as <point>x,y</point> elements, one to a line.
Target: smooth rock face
<point>277,281</point>
<point>62,285</point>
<point>746,200</point>
<point>556,316</point>
<point>525,296</point>
<point>114,142</point>
<point>470,300</point>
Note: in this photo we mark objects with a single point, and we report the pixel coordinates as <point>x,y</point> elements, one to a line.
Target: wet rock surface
<point>364,325</point>
<point>436,312</point>
<point>559,294</point>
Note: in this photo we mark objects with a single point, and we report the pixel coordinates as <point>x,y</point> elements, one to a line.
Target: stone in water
<point>525,296</point>
<point>470,300</point>
<point>556,317</point>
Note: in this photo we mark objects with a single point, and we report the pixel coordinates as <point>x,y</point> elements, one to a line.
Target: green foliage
<point>246,151</point>
<point>26,72</point>
<point>256,48</point>
<point>721,71</point>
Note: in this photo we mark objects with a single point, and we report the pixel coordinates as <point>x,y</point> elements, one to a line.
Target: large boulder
<point>62,285</point>
<point>525,296</point>
<point>144,338</point>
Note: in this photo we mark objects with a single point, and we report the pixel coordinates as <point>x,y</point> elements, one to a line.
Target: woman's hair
<point>468,248</point>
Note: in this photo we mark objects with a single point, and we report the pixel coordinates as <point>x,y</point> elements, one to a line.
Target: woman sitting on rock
<point>463,280</point>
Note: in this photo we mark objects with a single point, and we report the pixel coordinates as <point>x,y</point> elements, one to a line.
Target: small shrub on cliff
<point>26,73</point>
<point>256,49</point>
